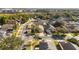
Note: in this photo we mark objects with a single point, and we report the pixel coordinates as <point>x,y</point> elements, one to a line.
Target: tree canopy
<point>11,43</point>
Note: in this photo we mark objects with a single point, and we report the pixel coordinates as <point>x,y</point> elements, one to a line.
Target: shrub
<point>74,41</point>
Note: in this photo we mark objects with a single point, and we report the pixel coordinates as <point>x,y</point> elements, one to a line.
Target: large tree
<point>11,43</point>
<point>2,20</point>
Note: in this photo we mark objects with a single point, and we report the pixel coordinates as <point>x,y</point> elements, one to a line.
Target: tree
<point>58,24</point>
<point>56,16</point>
<point>11,43</point>
<point>67,14</point>
<point>61,27</point>
<point>74,41</point>
<point>2,20</point>
<point>74,18</point>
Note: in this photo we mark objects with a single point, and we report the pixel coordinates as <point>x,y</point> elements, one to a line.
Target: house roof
<point>7,26</point>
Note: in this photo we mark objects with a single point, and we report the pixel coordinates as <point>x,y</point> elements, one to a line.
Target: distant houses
<point>71,26</point>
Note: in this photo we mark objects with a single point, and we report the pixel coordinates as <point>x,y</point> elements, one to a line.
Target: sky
<point>39,3</point>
